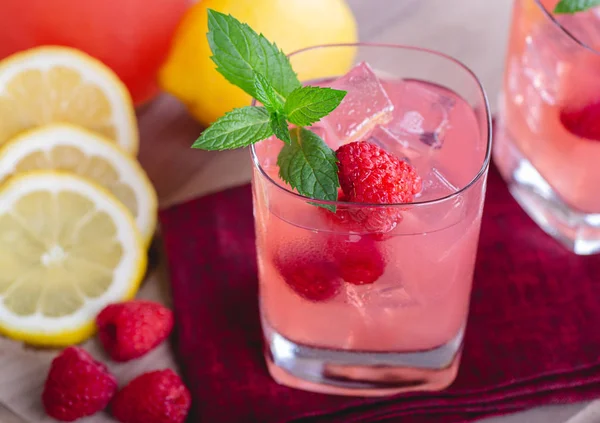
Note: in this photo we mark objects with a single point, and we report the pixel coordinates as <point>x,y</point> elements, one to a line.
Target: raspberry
<point>77,386</point>
<point>155,397</point>
<point>358,263</point>
<point>313,280</point>
<point>584,123</point>
<point>130,329</point>
<point>348,220</point>
<point>369,174</point>
<point>341,216</point>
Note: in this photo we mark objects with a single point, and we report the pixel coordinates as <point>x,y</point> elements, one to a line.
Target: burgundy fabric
<point>532,336</point>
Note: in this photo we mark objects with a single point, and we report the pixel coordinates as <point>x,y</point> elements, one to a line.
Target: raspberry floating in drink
<point>358,262</point>
<point>583,122</point>
<point>313,280</point>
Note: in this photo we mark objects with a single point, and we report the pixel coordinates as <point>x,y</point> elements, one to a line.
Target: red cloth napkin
<point>532,336</point>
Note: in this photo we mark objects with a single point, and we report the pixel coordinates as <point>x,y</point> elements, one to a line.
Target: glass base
<point>360,373</point>
<point>577,231</point>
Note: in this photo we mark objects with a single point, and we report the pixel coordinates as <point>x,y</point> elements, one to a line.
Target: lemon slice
<point>60,84</point>
<point>76,150</point>
<point>67,249</point>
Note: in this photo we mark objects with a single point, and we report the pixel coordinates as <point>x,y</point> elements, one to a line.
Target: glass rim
<point>488,136</point>
<point>564,30</point>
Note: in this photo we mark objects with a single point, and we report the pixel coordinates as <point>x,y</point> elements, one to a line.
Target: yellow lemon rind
<point>87,328</point>
<point>88,137</point>
<point>129,141</point>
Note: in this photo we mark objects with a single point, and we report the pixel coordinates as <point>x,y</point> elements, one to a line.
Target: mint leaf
<point>307,105</point>
<point>574,6</point>
<point>266,94</point>
<point>309,166</point>
<point>239,53</point>
<point>238,128</point>
<point>279,126</point>
<point>249,61</point>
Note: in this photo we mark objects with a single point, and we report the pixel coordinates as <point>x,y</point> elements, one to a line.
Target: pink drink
<point>403,331</point>
<point>548,142</point>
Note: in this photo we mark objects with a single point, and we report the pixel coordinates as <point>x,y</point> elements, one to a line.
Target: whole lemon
<point>190,75</point>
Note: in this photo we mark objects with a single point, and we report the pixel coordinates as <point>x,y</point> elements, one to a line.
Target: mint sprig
<point>238,128</point>
<point>251,62</point>
<point>265,93</point>
<point>239,53</point>
<point>307,163</point>
<point>574,6</point>
<point>307,105</point>
<point>279,126</point>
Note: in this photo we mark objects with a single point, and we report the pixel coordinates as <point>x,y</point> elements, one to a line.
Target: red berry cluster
<point>78,386</point>
<point>368,174</point>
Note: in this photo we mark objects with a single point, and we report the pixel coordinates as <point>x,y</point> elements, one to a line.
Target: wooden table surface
<point>474,31</point>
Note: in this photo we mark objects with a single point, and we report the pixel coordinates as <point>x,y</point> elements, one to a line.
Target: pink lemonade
<point>548,142</point>
<point>348,310</point>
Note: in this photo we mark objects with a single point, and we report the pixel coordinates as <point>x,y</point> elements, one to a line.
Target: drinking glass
<point>326,330</point>
<point>547,145</point>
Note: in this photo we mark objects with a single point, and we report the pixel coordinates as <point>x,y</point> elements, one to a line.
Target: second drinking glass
<point>548,141</point>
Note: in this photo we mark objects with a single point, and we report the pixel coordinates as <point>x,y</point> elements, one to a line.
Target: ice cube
<point>387,295</point>
<point>421,112</point>
<point>354,297</point>
<point>435,185</point>
<point>397,145</point>
<point>443,214</point>
<point>365,106</point>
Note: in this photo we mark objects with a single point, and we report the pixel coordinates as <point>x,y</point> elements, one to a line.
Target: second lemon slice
<point>67,249</point>
<point>76,150</point>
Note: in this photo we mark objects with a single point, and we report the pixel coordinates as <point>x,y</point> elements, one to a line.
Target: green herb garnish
<point>574,6</point>
<point>308,163</point>
<point>251,62</point>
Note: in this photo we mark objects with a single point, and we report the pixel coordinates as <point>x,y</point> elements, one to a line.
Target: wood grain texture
<point>474,31</point>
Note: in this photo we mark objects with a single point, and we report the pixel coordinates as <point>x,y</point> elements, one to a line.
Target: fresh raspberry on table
<point>314,280</point>
<point>77,386</point>
<point>584,122</point>
<point>130,329</point>
<point>368,174</point>
<point>154,397</point>
<point>358,263</point>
